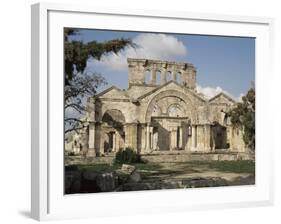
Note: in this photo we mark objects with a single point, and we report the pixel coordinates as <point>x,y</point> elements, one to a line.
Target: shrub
<point>70,154</point>
<point>127,156</point>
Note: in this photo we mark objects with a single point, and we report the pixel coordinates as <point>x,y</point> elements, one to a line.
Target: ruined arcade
<point>160,111</point>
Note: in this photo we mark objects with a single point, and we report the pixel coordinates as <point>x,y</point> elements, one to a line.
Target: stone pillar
<point>153,76</point>
<point>97,143</point>
<point>174,75</point>
<point>180,138</point>
<point>113,142</point>
<point>194,137</point>
<point>117,141</point>
<point>185,140</point>
<point>143,138</point>
<point>163,77</point>
<point>91,140</point>
<point>101,143</point>
<point>155,140</point>
<point>173,139</point>
<point>151,137</point>
<point>207,138</point>
<point>230,133</point>
<point>147,143</point>
<point>131,135</point>
<point>200,137</point>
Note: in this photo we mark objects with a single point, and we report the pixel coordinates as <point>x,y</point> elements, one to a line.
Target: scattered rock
<point>72,182</point>
<point>107,182</point>
<point>174,184</point>
<point>248,180</point>
<point>135,177</point>
<point>128,168</point>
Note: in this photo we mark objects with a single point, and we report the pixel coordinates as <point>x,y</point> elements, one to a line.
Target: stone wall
<point>184,73</point>
<point>169,115</point>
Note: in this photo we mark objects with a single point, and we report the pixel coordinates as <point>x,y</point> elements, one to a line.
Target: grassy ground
<point>99,167</point>
<point>240,166</point>
<point>151,171</point>
<point>157,175</point>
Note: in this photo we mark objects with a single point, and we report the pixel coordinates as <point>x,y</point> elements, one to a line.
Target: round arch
<point>174,110</point>
<point>172,93</point>
<point>113,117</point>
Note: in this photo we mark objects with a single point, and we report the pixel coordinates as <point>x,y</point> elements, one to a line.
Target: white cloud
<point>240,97</point>
<point>150,46</point>
<point>210,92</point>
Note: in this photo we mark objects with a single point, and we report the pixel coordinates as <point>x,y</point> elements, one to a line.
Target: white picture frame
<point>48,201</point>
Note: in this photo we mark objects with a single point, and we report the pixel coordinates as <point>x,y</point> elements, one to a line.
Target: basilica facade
<point>160,111</point>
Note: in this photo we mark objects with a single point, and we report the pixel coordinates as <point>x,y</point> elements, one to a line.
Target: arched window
<point>178,77</point>
<point>147,77</point>
<point>158,77</point>
<point>175,111</point>
<point>168,76</point>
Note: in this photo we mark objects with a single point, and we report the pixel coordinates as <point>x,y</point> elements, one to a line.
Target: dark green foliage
<point>79,85</point>
<point>243,116</point>
<point>127,156</point>
<point>76,53</point>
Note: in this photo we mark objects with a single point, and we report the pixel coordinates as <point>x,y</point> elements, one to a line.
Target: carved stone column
<point>131,135</point>
<point>174,75</point>
<point>194,137</point>
<point>207,137</point>
<point>180,137</point>
<point>230,133</point>
<point>155,140</point>
<point>147,143</point>
<point>143,138</point>
<point>113,142</point>
<point>163,77</point>
<point>173,139</point>
<point>200,137</point>
<point>91,140</point>
<point>153,76</point>
<point>100,133</point>
<point>151,137</point>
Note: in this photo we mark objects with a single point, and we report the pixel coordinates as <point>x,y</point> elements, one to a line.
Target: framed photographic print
<point>148,111</point>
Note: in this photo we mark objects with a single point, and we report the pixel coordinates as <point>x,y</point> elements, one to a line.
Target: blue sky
<point>223,63</point>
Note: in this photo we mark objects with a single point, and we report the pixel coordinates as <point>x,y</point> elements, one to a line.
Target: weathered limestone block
<point>107,181</point>
<point>194,138</point>
<point>207,136</point>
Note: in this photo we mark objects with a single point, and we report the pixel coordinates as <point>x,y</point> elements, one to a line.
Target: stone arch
<point>156,111</point>
<point>174,110</point>
<point>172,93</point>
<point>168,76</point>
<point>178,77</point>
<point>112,133</point>
<point>113,117</point>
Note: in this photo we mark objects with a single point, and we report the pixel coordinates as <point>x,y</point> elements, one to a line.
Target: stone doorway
<point>108,145</point>
<point>171,133</point>
<point>219,136</point>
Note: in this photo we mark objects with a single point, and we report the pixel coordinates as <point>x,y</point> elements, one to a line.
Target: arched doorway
<point>219,136</point>
<point>113,135</point>
<point>169,115</point>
